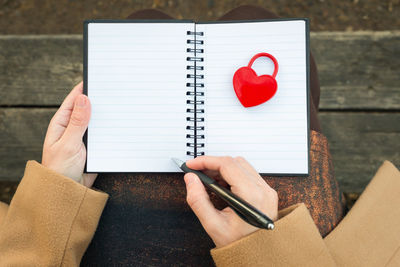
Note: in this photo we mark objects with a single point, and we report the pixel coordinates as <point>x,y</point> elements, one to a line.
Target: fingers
<point>256,177</point>
<point>78,122</point>
<point>61,118</point>
<point>200,202</point>
<point>229,169</point>
<point>246,165</point>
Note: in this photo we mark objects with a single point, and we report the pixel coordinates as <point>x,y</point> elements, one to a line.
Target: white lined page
<point>273,136</point>
<point>136,85</point>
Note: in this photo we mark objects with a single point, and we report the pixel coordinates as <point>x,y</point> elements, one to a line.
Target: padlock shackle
<point>265,55</point>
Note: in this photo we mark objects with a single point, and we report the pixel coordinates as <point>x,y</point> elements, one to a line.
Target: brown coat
<point>51,221</point>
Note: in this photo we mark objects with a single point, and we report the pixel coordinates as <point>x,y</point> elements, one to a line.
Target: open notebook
<point>162,89</point>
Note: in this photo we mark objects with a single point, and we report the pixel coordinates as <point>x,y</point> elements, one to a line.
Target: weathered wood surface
<point>22,134</point>
<point>357,70</point>
<point>359,142</point>
<point>39,70</point>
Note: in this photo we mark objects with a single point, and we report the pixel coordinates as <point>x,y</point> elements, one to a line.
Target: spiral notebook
<point>163,89</point>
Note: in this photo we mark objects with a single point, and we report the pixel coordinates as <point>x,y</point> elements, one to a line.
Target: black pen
<point>245,210</point>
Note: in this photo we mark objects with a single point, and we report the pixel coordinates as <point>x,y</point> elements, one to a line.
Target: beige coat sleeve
<point>3,211</point>
<point>369,235</point>
<point>295,241</point>
<point>50,221</point>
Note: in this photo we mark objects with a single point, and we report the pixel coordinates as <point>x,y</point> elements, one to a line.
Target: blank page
<point>273,136</point>
<point>136,84</point>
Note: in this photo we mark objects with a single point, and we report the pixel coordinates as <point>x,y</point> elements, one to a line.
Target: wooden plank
<point>359,142</point>
<point>357,69</point>
<point>22,134</point>
<point>39,70</point>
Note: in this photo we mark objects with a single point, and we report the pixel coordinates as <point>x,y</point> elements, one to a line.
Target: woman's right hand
<point>225,226</point>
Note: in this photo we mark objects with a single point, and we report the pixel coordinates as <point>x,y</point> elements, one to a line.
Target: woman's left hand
<point>63,149</point>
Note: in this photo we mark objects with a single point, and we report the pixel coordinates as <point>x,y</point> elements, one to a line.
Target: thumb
<point>200,203</point>
<point>79,120</point>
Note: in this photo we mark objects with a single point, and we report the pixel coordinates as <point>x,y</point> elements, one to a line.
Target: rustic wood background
<point>359,110</point>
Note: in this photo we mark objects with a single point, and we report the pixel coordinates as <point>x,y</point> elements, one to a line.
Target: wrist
<point>58,168</point>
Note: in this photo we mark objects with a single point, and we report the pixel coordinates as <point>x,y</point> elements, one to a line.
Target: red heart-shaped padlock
<point>251,89</point>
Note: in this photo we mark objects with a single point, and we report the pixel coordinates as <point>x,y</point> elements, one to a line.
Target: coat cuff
<point>50,216</point>
<point>295,241</point>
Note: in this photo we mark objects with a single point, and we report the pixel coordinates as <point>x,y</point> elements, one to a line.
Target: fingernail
<point>81,101</point>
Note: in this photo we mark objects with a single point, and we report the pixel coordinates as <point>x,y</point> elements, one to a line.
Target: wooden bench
<point>359,111</point>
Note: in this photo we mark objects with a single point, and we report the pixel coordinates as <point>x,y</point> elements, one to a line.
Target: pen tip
<point>271,226</point>
<point>178,162</point>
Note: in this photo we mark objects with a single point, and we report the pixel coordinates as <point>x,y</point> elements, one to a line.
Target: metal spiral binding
<point>195,94</point>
